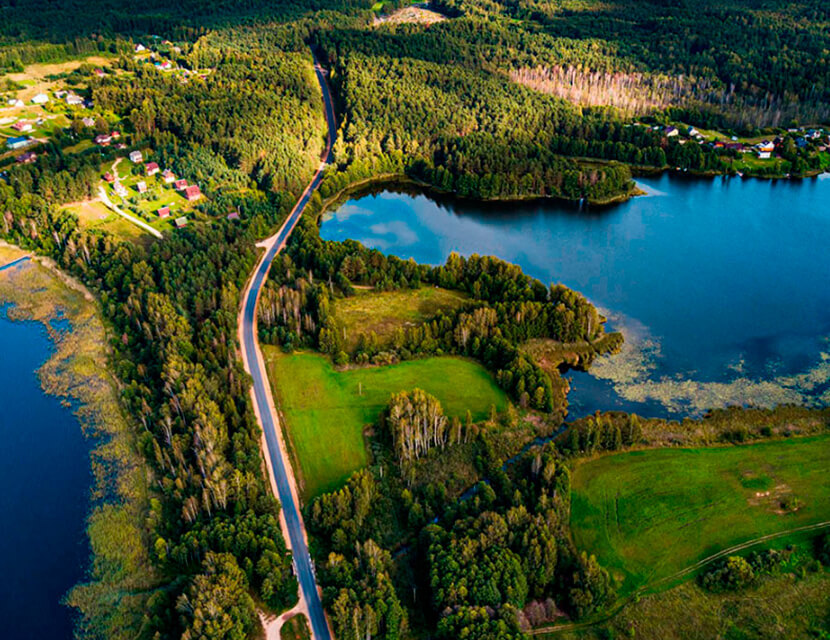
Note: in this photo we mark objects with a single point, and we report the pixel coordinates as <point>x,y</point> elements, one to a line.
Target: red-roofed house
<point>180,185</point>
<point>103,139</point>
<point>164,212</point>
<point>26,158</point>
<point>151,168</point>
<point>168,176</point>
<point>233,215</point>
<point>22,126</point>
<point>192,193</point>
<point>108,177</point>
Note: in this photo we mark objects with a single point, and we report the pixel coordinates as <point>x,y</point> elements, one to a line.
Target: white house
<point>136,157</point>
<point>74,99</point>
<point>40,98</point>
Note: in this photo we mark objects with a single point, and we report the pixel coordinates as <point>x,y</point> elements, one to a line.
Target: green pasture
<point>326,410</point>
<point>648,514</point>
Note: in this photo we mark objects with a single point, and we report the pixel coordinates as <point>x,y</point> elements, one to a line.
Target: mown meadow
<point>649,514</point>
<point>327,410</point>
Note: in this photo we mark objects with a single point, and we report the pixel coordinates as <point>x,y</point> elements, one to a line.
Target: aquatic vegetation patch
<point>631,373</point>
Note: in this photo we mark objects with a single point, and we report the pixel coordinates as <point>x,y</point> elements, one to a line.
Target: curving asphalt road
<point>262,396</point>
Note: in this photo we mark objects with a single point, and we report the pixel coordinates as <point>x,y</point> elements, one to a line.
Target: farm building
<point>18,143</point>
<point>26,158</point>
<point>192,193</point>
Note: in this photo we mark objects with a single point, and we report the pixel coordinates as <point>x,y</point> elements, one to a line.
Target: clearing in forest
<point>649,514</point>
<point>327,410</point>
<point>386,311</point>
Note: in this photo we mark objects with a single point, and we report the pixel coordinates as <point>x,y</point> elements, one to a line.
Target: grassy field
<point>648,514</point>
<point>295,629</point>
<point>326,410</point>
<point>384,312</point>
<point>782,606</point>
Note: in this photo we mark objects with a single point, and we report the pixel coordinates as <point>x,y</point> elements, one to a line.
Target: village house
<point>40,98</point>
<point>15,103</point>
<point>168,176</point>
<point>136,157</point>
<point>102,139</point>
<point>74,99</point>
<point>180,185</point>
<point>151,168</point>
<point>108,177</point>
<point>88,122</point>
<point>120,189</point>
<point>192,193</point>
<point>100,73</point>
<point>18,143</point>
<point>233,215</point>
<point>181,222</point>
<point>141,186</point>
<point>140,47</point>
<point>164,212</point>
<point>115,135</point>
<point>26,158</point>
<point>22,126</point>
<point>671,132</point>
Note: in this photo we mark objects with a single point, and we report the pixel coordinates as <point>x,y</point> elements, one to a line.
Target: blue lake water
<point>722,287</point>
<point>45,476</point>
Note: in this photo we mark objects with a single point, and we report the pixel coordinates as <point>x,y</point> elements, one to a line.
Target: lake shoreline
<point>364,186</point>
<point>77,372</point>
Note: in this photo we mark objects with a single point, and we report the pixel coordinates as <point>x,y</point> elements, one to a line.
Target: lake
<point>721,287</point>
<point>45,475</point>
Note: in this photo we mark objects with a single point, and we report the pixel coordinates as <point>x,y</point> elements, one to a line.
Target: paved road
<point>262,394</point>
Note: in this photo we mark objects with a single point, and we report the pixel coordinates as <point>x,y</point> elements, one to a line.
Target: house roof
<point>163,212</point>
<point>180,222</point>
<point>192,190</point>
<point>151,166</point>
<point>181,184</point>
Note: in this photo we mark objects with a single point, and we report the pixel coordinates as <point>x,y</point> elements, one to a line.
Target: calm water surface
<point>721,287</point>
<point>44,473</point>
